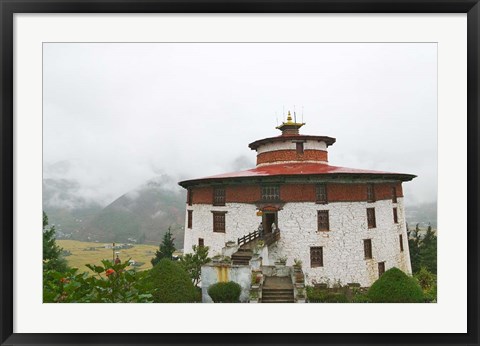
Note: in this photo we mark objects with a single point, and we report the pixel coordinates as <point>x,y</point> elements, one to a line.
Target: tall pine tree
<point>166,249</point>
<point>52,253</point>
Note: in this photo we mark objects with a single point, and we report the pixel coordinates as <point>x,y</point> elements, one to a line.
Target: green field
<point>92,253</point>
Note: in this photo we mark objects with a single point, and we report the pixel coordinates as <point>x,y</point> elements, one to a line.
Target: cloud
<point>118,115</point>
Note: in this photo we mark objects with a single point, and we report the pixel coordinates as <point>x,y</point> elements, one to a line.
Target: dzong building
<point>344,224</point>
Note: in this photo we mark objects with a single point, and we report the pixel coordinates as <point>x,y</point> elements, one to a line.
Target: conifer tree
<point>166,249</point>
<point>52,253</point>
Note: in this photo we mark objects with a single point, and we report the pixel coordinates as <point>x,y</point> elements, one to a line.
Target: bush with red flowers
<point>112,283</point>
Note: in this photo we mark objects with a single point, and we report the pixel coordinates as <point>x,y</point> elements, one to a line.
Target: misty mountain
<point>143,214</point>
<point>422,214</point>
<point>65,207</point>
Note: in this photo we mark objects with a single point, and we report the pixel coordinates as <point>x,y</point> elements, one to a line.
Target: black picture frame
<point>10,7</point>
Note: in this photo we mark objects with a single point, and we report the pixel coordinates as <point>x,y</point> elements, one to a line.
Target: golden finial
<point>289,118</point>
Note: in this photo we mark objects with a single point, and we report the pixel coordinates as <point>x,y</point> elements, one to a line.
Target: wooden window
<point>372,223</point>
<point>219,221</point>
<point>367,248</point>
<point>400,238</point>
<point>323,220</point>
<point>219,196</point>
<point>321,194</point>
<point>394,194</point>
<point>381,268</point>
<point>316,256</point>
<point>299,147</point>
<point>189,196</point>
<point>370,193</point>
<point>201,243</point>
<point>395,215</point>
<point>270,193</point>
<point>190,218</point>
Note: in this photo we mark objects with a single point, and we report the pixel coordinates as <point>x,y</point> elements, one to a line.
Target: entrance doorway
<point>268,219</point>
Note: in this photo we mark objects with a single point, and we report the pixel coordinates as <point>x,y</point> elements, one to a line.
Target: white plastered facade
<point>289,144</point>
<point>343,247</point>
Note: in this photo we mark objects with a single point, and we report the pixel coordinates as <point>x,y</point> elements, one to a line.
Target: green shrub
<point>394,286</point>
<point>316,295</point>
<point>425,279</point>
<point>171,283</point>
<point>428,283</point>
<point>360,298</point>
<point>225,292</point>
<point>430,294</point>
<point>336,297</point>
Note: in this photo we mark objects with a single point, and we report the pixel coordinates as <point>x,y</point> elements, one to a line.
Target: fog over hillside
<point>143,213</point>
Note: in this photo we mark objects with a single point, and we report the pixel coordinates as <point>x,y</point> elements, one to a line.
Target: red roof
<point>296,169</point>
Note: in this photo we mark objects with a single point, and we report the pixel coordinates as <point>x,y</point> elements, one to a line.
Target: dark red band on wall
<point>292,155</point>
<point>298,193</point>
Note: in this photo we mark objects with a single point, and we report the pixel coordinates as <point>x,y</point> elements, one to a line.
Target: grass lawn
<point>81,256</point>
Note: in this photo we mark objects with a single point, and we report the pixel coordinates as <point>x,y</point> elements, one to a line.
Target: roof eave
<point>376,176</point>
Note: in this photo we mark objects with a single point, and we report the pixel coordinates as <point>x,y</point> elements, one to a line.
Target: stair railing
<point>248,238</point>
<point>269,238</point>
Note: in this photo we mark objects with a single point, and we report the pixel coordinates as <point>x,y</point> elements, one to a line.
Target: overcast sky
<point>116,115</point>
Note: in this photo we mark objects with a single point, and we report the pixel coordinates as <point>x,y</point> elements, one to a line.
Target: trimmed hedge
<point>171,283</point>
<point>394,286</point>
<point>225,292</point>
<point>316,295</point>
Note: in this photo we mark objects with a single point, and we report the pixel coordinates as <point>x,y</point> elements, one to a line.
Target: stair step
<point>276,295</point>
<point>284,300</point>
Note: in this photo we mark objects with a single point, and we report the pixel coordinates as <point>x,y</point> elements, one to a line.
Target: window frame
<point>371,218</point>
<point>394,194</point>
<point>300,148</point>
<point>400,239</point>
<point>317,263</point>
<point>319,193</point>
<point>217,197</point>
<point>367,250</point>
<point>272,195</point>
<point>382,266</point>
<point>371,193</point>
<point>217,223</point>
<point>395,215</point>
<point>189,196</point>
<point>189,219</point>
<point>324,224</point>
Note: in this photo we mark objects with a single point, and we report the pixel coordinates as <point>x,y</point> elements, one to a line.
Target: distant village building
<point>343,224</point>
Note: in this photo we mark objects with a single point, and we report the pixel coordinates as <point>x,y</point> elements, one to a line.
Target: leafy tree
<point>171,283</point>
<point>166,249</point>
<point>193,262</point>
<point>52,253</point>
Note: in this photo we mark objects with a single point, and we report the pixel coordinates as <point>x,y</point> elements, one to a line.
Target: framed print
<point>184,156</point>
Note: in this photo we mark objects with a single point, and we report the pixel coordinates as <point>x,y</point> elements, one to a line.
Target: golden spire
<point>289,118</point>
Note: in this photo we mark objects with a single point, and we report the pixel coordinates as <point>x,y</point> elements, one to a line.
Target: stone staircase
<point>247,243</point>
<point>277,290</point>
<point>242,256</point>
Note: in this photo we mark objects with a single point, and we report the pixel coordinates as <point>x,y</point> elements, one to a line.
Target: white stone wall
<point>289,145</point>
<point>240,219</point>
<point>343,251</point>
